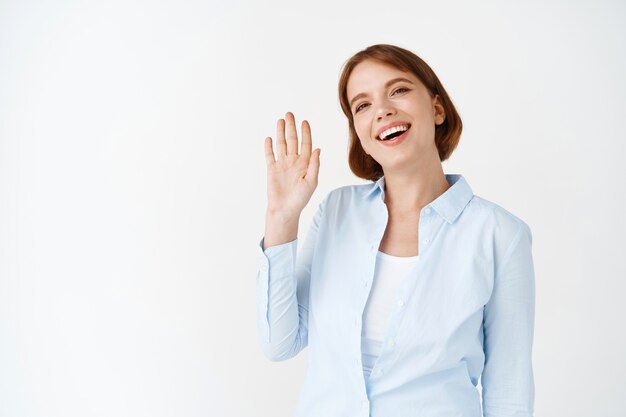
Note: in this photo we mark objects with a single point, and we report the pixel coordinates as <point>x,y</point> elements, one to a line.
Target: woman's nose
<point>384,110</point>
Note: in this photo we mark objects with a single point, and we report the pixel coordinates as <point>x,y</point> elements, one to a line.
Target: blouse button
<point>427,210</point>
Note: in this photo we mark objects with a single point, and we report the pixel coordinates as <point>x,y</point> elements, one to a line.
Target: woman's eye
<point>361,106</point>
<point>401,89</point>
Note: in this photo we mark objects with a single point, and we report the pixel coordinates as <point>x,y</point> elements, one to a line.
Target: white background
<point>132,186</point>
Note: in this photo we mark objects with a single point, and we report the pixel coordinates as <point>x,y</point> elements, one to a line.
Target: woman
<point>408,289</point>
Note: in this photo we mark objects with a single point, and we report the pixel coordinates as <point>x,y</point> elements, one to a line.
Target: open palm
<point>291,176</point>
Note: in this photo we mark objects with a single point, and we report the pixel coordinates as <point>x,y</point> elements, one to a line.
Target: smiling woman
<point>410,289</point>
<point>410,76</point>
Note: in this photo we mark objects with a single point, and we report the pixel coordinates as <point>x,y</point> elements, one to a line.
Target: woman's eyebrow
<point>387,85</point>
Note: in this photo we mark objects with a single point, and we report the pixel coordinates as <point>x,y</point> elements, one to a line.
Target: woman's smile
<point>392,129</point>
<point>395,139</point>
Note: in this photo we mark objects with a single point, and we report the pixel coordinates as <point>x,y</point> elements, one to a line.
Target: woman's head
<point>386,85</point>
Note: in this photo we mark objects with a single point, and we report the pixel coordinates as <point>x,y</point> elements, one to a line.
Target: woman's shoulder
<point>353,189</point>
<point>495,215</point>
<point>354,199</point>
<point>354,193</point>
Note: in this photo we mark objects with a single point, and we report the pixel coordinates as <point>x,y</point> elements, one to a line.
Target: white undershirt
<point>389,272</point>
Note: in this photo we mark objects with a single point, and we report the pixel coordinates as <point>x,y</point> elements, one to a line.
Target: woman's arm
<point>507,379</point>
<point>283,294</point>
<point>282,283</point>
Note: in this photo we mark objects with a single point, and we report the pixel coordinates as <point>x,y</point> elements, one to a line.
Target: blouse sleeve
<point>282,294</point>
<point>507,379</point>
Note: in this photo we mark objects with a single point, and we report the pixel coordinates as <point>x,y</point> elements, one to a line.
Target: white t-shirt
<point>389,272</point>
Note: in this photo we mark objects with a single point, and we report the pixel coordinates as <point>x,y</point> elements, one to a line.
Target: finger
<point>269,151</point>
<point>305,149</point>
<point>292,135</point>
<point>281,147</point>
<point>314,166</point>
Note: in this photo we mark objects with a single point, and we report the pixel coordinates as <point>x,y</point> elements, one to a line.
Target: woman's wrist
<point>280,227</point>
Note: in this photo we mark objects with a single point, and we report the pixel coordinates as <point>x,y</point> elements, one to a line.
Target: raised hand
<point>291,180</point>
<point>291,176</point>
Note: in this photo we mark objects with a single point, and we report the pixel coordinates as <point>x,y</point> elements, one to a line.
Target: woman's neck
<point>406,192</point>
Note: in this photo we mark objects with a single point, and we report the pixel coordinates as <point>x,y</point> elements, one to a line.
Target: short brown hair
<point>447,134</point>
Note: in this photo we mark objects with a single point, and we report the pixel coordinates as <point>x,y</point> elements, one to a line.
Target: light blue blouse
<point>467,311</point>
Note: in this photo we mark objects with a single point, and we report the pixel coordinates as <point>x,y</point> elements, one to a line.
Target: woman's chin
<point>397,163</point>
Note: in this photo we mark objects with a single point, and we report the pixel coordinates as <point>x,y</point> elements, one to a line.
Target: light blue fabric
<point>466,311</point>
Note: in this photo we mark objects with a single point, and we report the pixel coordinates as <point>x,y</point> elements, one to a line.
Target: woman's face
<point>394,115</point>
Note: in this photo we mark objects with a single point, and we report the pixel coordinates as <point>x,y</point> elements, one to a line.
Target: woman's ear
<point>438,111</point>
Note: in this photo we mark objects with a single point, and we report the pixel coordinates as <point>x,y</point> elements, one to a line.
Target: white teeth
<point>394,129</point>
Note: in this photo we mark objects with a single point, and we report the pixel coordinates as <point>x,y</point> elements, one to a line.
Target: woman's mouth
<point>394,136</point>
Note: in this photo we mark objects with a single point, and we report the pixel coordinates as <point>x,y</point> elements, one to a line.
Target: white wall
<point>132,186</point>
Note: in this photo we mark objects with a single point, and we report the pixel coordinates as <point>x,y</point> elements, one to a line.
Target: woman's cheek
<point>365,144</point>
